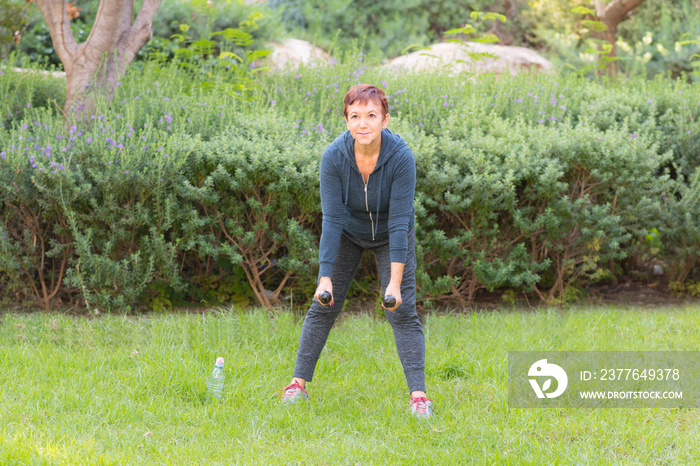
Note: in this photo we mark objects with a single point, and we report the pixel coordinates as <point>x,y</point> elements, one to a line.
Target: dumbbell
<point>389,301</point>
<point>325,298</point>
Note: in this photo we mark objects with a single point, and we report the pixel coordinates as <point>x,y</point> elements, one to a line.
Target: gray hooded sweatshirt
<point>381,209</point>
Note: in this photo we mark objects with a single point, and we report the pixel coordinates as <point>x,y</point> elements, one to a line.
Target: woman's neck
<point>368,151</point>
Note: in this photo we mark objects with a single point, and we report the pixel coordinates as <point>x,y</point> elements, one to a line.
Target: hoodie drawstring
<point>379,196</point>
<point>347,189</point>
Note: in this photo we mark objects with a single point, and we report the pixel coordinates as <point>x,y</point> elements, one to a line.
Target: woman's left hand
<point>395,291</point>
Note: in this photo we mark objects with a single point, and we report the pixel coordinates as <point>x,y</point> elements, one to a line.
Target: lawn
<point>131,390</point>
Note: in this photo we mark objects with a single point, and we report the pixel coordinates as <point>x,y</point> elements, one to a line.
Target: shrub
<point>251,199</point>
<point>177,193</point>
<point>386,29</point>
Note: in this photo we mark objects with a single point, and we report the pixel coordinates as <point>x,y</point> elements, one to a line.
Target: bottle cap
<point>220,362</point>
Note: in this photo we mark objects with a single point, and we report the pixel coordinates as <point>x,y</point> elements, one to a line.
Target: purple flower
<point>634,135</point>
<point>518,100</point>
<point>297,76</point>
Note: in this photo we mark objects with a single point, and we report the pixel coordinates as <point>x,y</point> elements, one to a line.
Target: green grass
<point>131,390</point>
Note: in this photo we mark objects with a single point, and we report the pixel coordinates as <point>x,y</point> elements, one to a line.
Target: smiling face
<point>366,121</point>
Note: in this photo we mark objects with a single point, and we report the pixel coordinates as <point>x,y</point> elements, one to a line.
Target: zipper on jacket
<point>367,207</point>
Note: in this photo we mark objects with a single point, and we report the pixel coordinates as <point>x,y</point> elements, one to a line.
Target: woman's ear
<point>386,121</point>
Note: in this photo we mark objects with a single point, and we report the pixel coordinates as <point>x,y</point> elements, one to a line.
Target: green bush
<point>649,42</point>
<point>250,197</point>
<point>386,29</point>
<point>175,192</point>
<point>13,23</point>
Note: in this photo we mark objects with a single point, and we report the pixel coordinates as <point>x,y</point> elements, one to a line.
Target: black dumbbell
<point>389,301</point>
<point>325,298</point>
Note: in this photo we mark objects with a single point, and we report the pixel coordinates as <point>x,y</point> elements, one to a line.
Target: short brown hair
<point>364,93</point>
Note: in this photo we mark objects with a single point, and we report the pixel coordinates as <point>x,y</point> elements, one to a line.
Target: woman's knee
<point>320,312</point>
<point>405,314</point>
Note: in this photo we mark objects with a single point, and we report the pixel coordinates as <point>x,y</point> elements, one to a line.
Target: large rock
<point>453,57</point>
<point>294,52</point>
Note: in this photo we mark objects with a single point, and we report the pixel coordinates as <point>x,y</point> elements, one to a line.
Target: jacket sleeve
<point>401,210</point>
<point>333,212</point>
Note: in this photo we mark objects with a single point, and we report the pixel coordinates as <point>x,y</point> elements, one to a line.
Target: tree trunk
<point>612,15</point>
<point>94,67</point>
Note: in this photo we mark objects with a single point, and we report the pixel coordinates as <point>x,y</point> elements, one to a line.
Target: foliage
<point>223,68</point>
<point>651,42</point>
<point>13,23</point>
<point>203,23</point>
<point>387,28</point>
<point>252,198</point>
<point>663,36</point>
<point>176,192</point>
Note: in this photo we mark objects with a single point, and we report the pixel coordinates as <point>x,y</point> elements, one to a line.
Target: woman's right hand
<point>324,284</point>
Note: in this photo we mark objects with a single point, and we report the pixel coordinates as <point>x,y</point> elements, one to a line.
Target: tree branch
<point>113,18</point>
<point>600,8</point>
<point>617,11</point>
<point>56,16</point>
<point>141,31</point>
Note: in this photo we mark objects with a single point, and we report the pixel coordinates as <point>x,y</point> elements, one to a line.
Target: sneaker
<point>293,392</point>
<point>421,407</point>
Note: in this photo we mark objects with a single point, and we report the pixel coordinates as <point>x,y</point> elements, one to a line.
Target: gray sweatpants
<point>408,332</point>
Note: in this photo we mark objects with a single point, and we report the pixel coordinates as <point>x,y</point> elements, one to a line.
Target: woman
<point>368,180</point>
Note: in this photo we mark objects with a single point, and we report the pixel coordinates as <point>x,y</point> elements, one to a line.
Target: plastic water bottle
<point>215,384</point>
